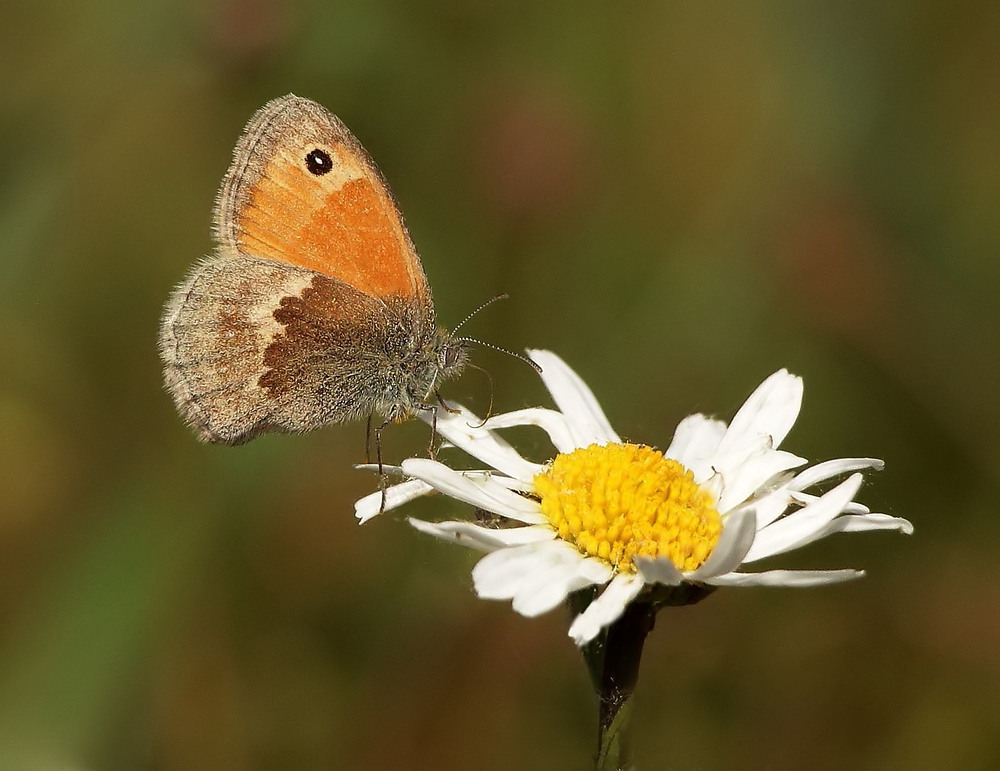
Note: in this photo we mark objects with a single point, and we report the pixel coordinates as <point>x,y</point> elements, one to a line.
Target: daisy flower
<point>625,517</point>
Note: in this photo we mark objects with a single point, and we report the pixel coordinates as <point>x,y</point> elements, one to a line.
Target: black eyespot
<point>318,162</point>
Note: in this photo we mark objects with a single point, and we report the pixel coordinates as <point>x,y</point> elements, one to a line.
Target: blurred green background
<point>680,198</point>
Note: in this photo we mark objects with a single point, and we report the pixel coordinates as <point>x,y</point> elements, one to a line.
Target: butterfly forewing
<point>302,190</point>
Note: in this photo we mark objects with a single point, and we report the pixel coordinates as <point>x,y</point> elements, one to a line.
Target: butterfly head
<point>450,355</point>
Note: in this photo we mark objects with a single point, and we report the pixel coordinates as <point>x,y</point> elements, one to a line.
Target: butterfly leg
<point>383,478</point>
<point>444,404</point>
<point>431,449</point>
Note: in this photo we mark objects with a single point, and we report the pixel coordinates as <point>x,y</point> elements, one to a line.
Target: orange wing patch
<point>350,232</point>
<point>302,190</point>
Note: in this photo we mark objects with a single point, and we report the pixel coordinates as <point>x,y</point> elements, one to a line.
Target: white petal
<point>745,478</point>
<point>831,468</point>
<point>798,578</point>
<point>472,473</point>
<point>545,589</point>
<point>714,485</point>
<point>658,570</point>
<point>857,523</point>
<point>575,400</point>
<point>480,491</point>
<point>770,411</point>
<point>771,506</point>
<point>483,538</point>
<point>509,482</point>
<point>800,527</point>
<point>695,442</point>
<point>500,575</point>
<point>464,430</point>
<point>737,537</point>
<point>395,495</point>
<point>385,469</point>
<point>552,422</point>
<point>853,507</point>
<point>536,576</point>
<point>606,608</point>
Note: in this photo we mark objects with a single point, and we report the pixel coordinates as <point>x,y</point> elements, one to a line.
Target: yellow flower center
<point>618,501</point>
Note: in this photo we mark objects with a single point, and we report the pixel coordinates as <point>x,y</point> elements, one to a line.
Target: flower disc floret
<point>618,501</point>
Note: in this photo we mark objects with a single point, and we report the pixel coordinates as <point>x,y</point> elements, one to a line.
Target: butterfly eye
<point>318,162</point>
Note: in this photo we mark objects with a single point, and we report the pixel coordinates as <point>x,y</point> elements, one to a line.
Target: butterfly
<point>314,308</point>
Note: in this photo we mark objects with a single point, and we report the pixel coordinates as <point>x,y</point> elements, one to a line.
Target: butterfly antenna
<point>509,352</point>
<point>486,304</point>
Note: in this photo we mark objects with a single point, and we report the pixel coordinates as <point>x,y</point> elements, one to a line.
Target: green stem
<point>622,653</point>
<point>613,659</point>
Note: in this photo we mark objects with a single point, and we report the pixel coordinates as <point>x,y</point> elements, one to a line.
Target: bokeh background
<point>680,198</point>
